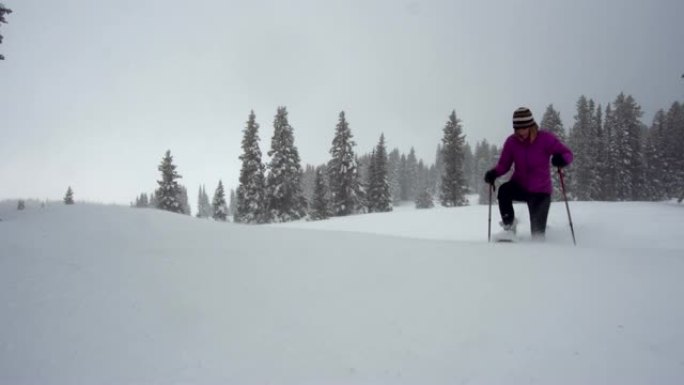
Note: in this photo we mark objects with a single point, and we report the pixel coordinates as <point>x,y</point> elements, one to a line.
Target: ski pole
<point>489,221</point>
<point>567,206</point>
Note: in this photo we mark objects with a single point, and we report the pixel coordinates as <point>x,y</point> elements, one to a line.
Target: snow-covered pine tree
<point>69,197</point>
<point>144,201</point>
<point>581,142</point>
<point>599,188</point>
<point>169,190</point>
<point>283,184</point>
<point>200,209</point>
<point>423,176</point>
<point>309,182</point>
<point>483,162</point>
<point>207,209</point>
<point>183,200</point>
<point>369,175</point>
<point>220,210</point>
<point>424,200</point>
<point>628,128</point>
<point>610,156</point>
<point>411,175</point>
<point>204,209</point>
<point>672,146</point>
<point>654,159</point>
<point>363,188</point>
<point>551,121</point>
<point>363,163</point>
<point>153,201</point>
<point>320,205</point>
<point>343,170</point>
<point>251,198</point>
<point>232,204</point>
<point>379,197</point>
<point>403,178</point>
<point>393,164</point>
<point>438,171</point>
<point>433,178</point>
<point>469,169</point>
<point>454,183</point>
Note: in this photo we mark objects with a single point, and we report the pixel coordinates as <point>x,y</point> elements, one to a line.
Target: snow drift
<point>113,295</point>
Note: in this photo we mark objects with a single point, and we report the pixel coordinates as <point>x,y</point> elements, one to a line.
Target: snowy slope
<point>113,295</point>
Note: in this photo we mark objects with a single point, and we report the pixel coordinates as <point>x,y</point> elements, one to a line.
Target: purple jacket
<point>532,160</point>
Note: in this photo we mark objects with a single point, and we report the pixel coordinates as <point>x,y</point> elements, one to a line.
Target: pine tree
<point>485,157</point>
<point>363,188</point>
<point>309,182</point>
<point>69,197</point>
<point>153,201</point>
<point>598,187</point>
<point>611,163</point>
<point>169,191</point>
<point>200,208</point>
<point>468,169</point>
<point>3,11</point>
<point>183,200</point>
<point>283,184</point>
<point>551,121</point>
<point>630,174</point>
<point>411,175</point>
<point>672,146</point>
<point>379,197</point>
<point>403,178</point>
<point>204,209</point>
<point>454,184</point>
<point>422,177</point>
<point>424,200</point>
<point>437,171</point>
<point>21,205</point>
<point>343,170</point>
<point>251,198</point>
<point>206,203</point>
<point>655,161</point>
<point>232,204</point>
<point>141,201</point>
<point>581,141</point>
<point>393,163</point>
<point>320,206</point>
<point>219,204</point>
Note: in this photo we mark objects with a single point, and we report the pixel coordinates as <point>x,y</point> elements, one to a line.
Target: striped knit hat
<point>522,118</point>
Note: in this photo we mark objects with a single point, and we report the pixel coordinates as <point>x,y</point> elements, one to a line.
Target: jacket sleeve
<point>506,159</point>
<point>557,147</point>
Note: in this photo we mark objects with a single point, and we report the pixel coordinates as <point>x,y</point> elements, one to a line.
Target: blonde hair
<point>533,132</point>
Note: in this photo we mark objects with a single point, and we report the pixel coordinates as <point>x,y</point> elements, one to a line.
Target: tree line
<point>617,157</point>
<point>282,190</point>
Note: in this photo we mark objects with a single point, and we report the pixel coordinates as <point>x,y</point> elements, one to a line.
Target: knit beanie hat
<point>522,118</point>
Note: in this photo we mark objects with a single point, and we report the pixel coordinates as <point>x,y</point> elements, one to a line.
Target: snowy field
<point>112,295</point>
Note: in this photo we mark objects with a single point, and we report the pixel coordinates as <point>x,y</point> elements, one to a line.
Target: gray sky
<point>92,93</point>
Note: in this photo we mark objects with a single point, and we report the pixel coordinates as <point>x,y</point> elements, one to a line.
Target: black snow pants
<point>537,203</point>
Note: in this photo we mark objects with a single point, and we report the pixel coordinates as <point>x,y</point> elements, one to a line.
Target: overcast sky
<point>92,93</point>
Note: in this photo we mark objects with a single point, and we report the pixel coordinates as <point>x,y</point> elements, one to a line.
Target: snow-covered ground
<point>112,295</point>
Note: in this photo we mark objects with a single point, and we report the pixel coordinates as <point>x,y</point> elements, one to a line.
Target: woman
<point>529,149</point>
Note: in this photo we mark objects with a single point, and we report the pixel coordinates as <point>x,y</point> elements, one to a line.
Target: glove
<point>490,176</point>
<point>557,160</point>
